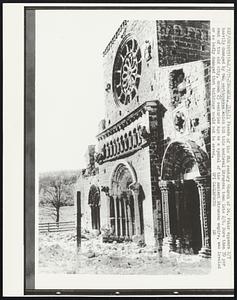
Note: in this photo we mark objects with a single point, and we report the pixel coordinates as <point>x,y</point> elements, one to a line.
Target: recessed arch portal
<point>119,169</point>
<point>126,217</point>
<point>185,190</point>
<point>184,161</point>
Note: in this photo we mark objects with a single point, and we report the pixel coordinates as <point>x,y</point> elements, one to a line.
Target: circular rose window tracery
<point>127,71</point>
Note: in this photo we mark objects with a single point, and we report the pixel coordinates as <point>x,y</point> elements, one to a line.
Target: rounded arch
<point>94,196</point>
<point>184,160</point>
<point>122,202</point>
<point>94,202</point>
<point>119,170</point>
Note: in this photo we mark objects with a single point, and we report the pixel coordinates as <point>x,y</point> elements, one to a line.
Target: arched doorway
<point>191,229</point>
<point>126,215</point>
<point>185,190</point>
<point>94,202</point>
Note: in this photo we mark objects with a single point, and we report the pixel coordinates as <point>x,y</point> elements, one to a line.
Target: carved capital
<point>135,187</point>
<point>203,182</point>
<point>164,185</point>
<point>178,185</point>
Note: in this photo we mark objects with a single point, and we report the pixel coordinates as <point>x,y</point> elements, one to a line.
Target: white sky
<point>69,78</point>
<point>69,84</point>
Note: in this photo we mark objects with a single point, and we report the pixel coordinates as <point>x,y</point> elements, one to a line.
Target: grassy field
<point>67,213</point>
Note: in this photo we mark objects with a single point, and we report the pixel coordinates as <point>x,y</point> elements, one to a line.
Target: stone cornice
<point>131,117</point>
<point>110,44</point>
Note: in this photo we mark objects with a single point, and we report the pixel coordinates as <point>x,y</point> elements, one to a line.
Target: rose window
<point>127,72</point>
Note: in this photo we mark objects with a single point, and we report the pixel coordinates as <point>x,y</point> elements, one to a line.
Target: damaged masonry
<point>148,179</point>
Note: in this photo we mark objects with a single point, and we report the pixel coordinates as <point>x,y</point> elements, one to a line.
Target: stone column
<point>111,149</point>
<point>118,146</point>
<point>179,211</point>
<point>139,138</point>
<point>135,138</point>
<point>125,218</point>
<point>130,139</point>
<point>130,225</point>
<point>108,209</point>
<point>135,187</point>
<point>158,224</point>
<point>203,185</point>
<point>108,151</point>
<point>169,243</point>
<point>115,147</point>
<point>120,217</point>
<point>122,144</point>
<point>115,218</point>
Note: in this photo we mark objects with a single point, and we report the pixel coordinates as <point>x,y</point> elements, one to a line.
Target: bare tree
<point>56,193</point>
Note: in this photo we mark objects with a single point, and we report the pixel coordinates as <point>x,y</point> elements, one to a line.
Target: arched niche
<point>94,202</point>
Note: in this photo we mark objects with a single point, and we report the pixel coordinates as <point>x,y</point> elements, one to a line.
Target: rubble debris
<point>57,254</point>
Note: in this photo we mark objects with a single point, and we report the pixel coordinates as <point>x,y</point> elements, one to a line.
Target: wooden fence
<point>58,226</point>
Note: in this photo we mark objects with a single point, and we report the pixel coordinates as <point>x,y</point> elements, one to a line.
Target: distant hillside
<point>64,173</point>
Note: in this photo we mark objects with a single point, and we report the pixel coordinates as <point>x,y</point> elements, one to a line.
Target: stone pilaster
<point>105,189</point>
<point>120,217</point>
<point>179,214</point>
<point>130,225</point>
<point>203,185</point>
<point>169,243</point>
<point>135,187</point>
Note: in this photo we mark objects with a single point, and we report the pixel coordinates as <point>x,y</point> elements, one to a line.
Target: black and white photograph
<point>141,197</point>
<point>118,149</point>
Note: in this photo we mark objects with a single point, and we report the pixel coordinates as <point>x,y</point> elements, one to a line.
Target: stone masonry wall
<point>178,76</point>
<point>140,161</point>
<point>183,41</point>
<point>83,185</point>
<point>155,152</point>
<point>194,104</point>
<point>142,31</point>
<point>207,131</point>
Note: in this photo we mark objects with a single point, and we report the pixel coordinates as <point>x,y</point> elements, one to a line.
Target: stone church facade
<point>148,178</point>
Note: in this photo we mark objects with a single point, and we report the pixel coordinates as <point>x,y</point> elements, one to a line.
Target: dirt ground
<point>57,254</point>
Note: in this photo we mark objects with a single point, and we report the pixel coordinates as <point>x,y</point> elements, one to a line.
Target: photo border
<point>29,159</point>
